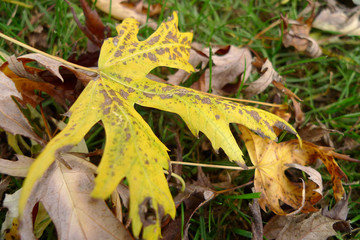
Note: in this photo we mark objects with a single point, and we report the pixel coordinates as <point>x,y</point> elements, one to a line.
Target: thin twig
<point>46,54</point>
<point>211,165</point>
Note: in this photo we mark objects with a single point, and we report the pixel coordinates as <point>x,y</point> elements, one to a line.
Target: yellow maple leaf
<point>132,150</point>
<point>271,160</point>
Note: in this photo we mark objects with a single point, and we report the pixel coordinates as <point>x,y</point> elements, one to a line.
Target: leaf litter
<point>267,81</point>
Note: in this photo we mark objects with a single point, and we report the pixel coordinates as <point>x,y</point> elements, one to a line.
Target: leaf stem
<point>46,54</point>
<point>211,165</point>
<point>210,68</point>
<point>178,178</point>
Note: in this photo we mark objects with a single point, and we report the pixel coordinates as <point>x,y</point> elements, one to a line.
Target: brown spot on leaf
<point>253,114</point>
<point>118,53</point>
<point>206,100</point>
<point>166,96</point>
<point>160,51</point>
<point>269,126</point>
<point>144,55</point>
<point>154,40</point>
<point>135,44</point>
<point>131,90</point>
<point>149,95</point>
<point>167,88</point>
<point>147,162</point>
<point>127,136</point>
<point>124,94</point>
<point>118,101</point>
<point>177,52</point>
<point>127,79</point>
<point>106,111</point>
<point>112,92</point>
<point>132,50</point>
<point>282,126</point>
<point>184,40</point>
<point>217,117</point>
<point>152,57</point>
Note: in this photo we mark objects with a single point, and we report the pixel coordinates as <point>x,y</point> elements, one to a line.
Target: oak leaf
<point>271,160</point>
<point>65,194</point>
<point>132,150</point>
<point>305,227</point>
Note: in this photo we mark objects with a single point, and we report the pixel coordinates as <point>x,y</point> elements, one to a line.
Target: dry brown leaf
<point>94,28</point>
<point>338,18</point>
<point>194,196</point>
<point>11,118</point>
<point>256,223</point>
<point>27,79</point>
<point>302,227</point>
<point>4,183</point>
<point>228,65</point>
<point>268,76</point>
<point>315,133</point>
<point>121,9</point>
<point>298,35</point>
<point>227,68</point>
<point>271,159</point>
<point>65,194</point>
<point>17,168</point>
<point>52,65</point>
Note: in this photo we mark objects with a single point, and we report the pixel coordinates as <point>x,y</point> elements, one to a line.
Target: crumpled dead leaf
<point>229,63</point>
<point>271,159</point>
<point>17,168</point>
<point>339,212</point>
<point>338,18</point>
<point>94,28</point>
<point>27,79</point>
<point>298,35</point>
<point>268,76</point>
<point>317,134</point>
<point>313,226</point>
<point>11,118</point>
<point>121,9</point>
<point>77,215</point>
<point>196,194</point>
